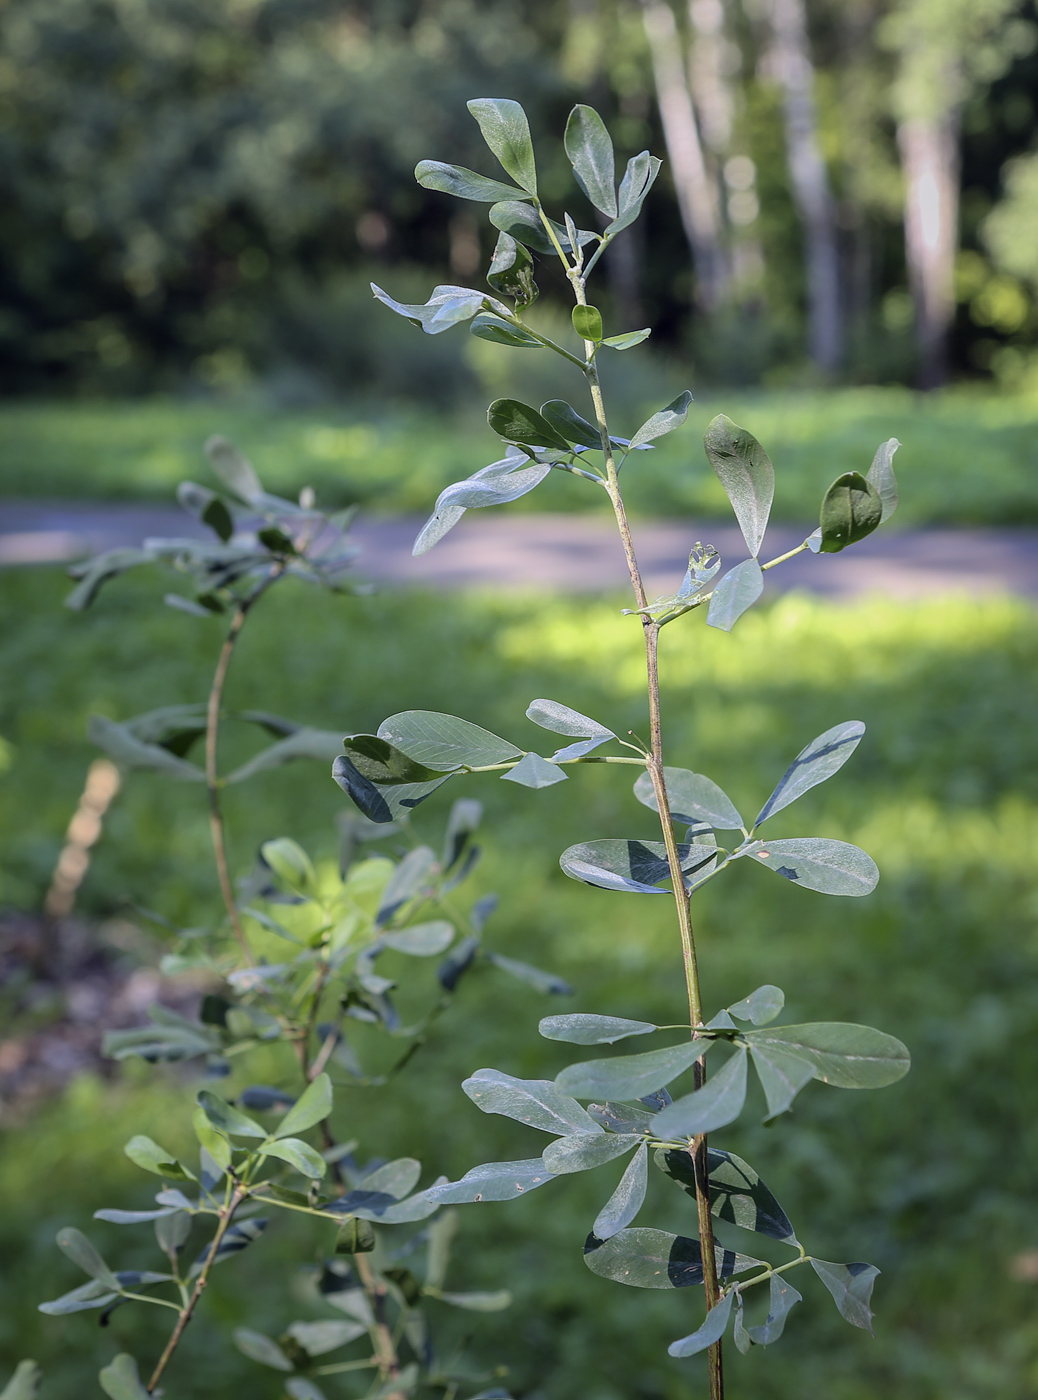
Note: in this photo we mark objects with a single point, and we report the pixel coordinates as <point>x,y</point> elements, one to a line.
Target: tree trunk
<point>790,62</point>
<point>696,192</point>
<point>930,160</point>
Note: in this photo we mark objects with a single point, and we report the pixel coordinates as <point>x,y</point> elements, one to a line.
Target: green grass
<point>968,457</point>
<point>932,1180</point>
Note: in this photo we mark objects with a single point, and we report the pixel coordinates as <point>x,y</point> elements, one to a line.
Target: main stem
<point>654,765</point>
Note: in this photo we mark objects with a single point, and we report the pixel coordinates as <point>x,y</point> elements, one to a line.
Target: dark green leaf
<point>817,863</point>
<point>533,771</point>
<point>630,1076</point>
<point>322,744</point>
<point>712,1330</point>
<point>518,422</point>
<point>298,1154</point>
<point>632,866</point>
<point>851,509</point>
<point>538,1102</point>
<point>382,803</point>
<point>638,179</point>
<point>462,183</point>
<point>511,271</point>
<point>218,518</point>
<point>499,332</point>
<point>442,742</point>
<point>851,1287</point>
<point>760,1006</point>
<point>839,1052</point>
<point>821,758</point>
<point>148,1154</point>
<point>882,479</point>
<point>584,1151</point>
<point>237,1238</point>
<point>130,752</point>
<point>782,1076</point>
<point>583,1028</point>
<point>421,940</point>
<point>355,1236</point>
<point>718,1103</point>
<point>745,471</point>
<point>568,422</point>
<point>783,1299</point>
<point>507,132</point>
<point>24,1384</point>
<point>532,976</point>
<point>737,1193</point>
<point>628,340</point>
<point>590,152</point>
<point>627,1200</point>
<point>645,1258</point>
<point>692,799</point>
<point>738,590</point>
<point>121,1380</point>
<point>79,1249</point>
<point>457,962</point>
<point>259,1347</point>
<point>465,817</point>
<point>587,322</point>
<point>526,226</point>
<point>494,1181</point>
<point>312,1106</point>
<point>665,421</point>
<point>264,1099</point>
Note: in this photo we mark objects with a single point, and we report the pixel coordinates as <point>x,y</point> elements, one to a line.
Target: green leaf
<point>395,1178</point>
<point>319,1338</point>
<point>421,940</point>
<point>79,1249</point>
<point>381,779</point>
<point>738,590</point>
<point>782,1076</point>
<point>851,1287</point>
<point>817,863</point>
<point>312,1106</point>
<point>121,1380</point>
<point>718,1103</point>
<point>148,1154</point>
<point>632,866</point>
<point>630,1076</point>
<point>665,421</point>
<point>499,332</point>
<point>493,1181</point>
<point>644,1258</point>
<point>549,714</point>
<point>218,1146</point>
<point>627,1200</point>
<point>532,976</point>
<point>132,753</point>
<point>840,1053</point>
<point>322,744</point>
<point>218,518</point>
<point>160,1041</point>
<point>533,771</point>
<point>622,1117</point>
<point>692,799</point>
<point>712,1330</point>
<point>462,183</point>
<point>447,307</point>
<point>24,1384</point>
<point>760,1006</point>
<point>783,1299</point>
<point>290,863</point>
<point>507,132</point>
<point>87,1295</point>
<point>537,1102</point>
<point>882,479</point>
<point>583,1028</point>
<point>237,1238</point>
<point>442,742</point>
<point>414,875</point>
<point>745,471</point>
<point>257,1346</point>
<point>299,1388</point>
<point>584,1151</point>
<point>851,509</point>
<point>577,430</point>
<point>821,758</point>
<point>96,572</point>
<point>524,224</point>
<point>590,152</point>
<point>511,271</point>
<point>737,1193</point>
<point>478,1302</point>
<point>235,470</point>
<point>298,1154</point>
<point>494,485</point>
<point>518,422</point>
<point>638,180</point>
<point>628,340</point>
<point>587,322</point>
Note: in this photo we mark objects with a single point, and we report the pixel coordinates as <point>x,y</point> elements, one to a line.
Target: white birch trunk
<point>929,149</point>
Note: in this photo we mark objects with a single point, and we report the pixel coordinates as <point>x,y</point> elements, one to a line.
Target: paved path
<point>572,552</point>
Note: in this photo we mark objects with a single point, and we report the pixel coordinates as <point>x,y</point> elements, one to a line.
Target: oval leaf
<point>783,1299</point>
<point>498,332</point>
<point>760,1006</point>
<point>851,1288</point>
<point>560,719</point>
<point>851,509</point>
<point>665,421</point>
<point>538,1102</point>
<point>298,1154</point>
<point>840,1053</point>
<point>737,1193</point>
<point>882,479</point>
<point>583,1151</point>
<point>507,132</point>
<point>831,867</point>
<point>518,422</point>
<point>587,322</point>
<point>24,1384</point>
<point>121,1380</point>
<point>745,471</point>
<point>259,1347</point>
<point>590,152</point>
<point>782,1076</point>
<point>581,433</point>
<point>627,1200</point>
<point>821,758</point>
<point>632,866</point>
<point>444,742</point>
<point>718,1103</point>
<point>312,1106</point>
<point>692,799</point>
<point>493,1181</point>
<point>421,940</point>
<point>628,340</point>
<point>583,1028</point>
<point>738,590</point>
<point>645,1258</point>
<point>79,1249</point>
<point>712,1330</point>
<point>630,1076</point>
<point>462,183</point>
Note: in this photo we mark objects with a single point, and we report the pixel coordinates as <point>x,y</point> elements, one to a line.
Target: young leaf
<point>583,1028</point>
<point>665,421</point>
<point>532,976</point>
<point>462,183</point>
<point>745,471</point>
<point>79,1249</point>
<point>590,152</point>
<point>630,1076</point>
<point>631,866</point>
<point>499,332</point>
<point>821,758</point>
<point>638,179</point>
<point>692,799</point>
<point>851,509</point>
<point>298,1154</point>
<point>444,742</point>
<point>738,590</point>
<point>712,1330</point>
<point>817,863</point>
<point>587,322</point>
<point>518,422</point>
<point>840,1053</point>
<point>24,1384</point>
<point>718,1103</point>
<point>628,340</point>
<point>121,1380</point>
<point>627,1200</point>
<point>533,771</point>
<point>782,1076</point>
<point>493,1181</point>
<point>312,1106</point>
<point>289,863</point>
<point>760,1006</point>
<point>506,131</point>
<point>538,1102</point>
<point>851,1287</point>
<point>783,1299</point>
<point>584,1151</point>
<point>257,1346</point>
<point>217,1146</point>
<point>882,479</point>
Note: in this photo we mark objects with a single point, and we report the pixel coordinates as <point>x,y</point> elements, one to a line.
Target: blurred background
<point>841,248</point>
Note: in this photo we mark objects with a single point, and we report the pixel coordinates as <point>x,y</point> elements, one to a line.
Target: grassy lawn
<point>932,1179</point>
<point>968,457</point>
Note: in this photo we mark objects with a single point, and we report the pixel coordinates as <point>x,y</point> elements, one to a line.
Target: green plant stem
<point>654,765</point>
<point>212,778</point>
<point>187,1311</point>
